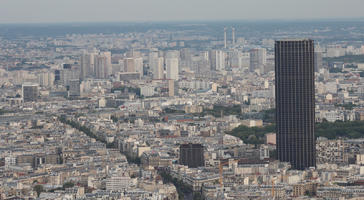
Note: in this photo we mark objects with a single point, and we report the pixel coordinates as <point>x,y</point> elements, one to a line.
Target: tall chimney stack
<point>225,42</point>
<point>233,34</point>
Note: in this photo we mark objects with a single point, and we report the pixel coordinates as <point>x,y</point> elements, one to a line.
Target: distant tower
<point>108,66</point>
<point>87,65</point>
<point>172,68</point>
<point>157,67</point>
<point>129,65</point>
<point>233,35</point>
<point>100,66</point>
<point>258,59</point>
<point>225,44</point>
<point>217,60</point>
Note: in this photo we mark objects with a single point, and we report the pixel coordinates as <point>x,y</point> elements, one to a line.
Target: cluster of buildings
<point>146,116</point>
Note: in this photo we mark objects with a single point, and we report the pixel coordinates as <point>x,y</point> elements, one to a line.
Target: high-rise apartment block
<point>30,92</point>
<point>318,61</point>
<point>134,65</point>
<point>258,59</point>
<point>172,68</point>
<point>157,67</point>
<point>103,67</point>
<point>217,60</point>
<point>87,66</point>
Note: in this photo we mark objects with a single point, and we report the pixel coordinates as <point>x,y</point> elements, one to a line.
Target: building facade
<point>258,59</point>
<point>191,155</point>
<point>295,102</point>
<point>157,66</point>
<point>30,92</point>
<point>172,68</point>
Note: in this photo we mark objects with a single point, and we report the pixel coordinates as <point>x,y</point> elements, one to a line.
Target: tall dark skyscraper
<point>295,102</point>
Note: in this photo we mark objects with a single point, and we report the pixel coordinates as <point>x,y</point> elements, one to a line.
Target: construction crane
<point>272,188</point>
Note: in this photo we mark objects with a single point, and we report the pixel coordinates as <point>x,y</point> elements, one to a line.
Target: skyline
<point>41,11</point>
<point>181,110</point>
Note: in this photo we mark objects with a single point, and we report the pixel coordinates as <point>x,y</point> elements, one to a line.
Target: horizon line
<point>339,19</point>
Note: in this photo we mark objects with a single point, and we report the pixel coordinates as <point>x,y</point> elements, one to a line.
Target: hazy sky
<point>25,11</point>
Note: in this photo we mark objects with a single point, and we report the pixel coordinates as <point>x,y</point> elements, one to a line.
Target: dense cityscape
<point>167,111</point>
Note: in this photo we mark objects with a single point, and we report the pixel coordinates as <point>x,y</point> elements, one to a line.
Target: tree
<point>38,189</point>
<point>252,135</point>
<point>221,110</point>
<point>68,185</point>
<point>330,130</point>
<point>309,194</point>
<point>269,115</point>
<point>114,118</point>
<point>273,154</point>
<point>198,196</point>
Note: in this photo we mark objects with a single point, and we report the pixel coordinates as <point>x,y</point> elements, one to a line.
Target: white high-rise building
<point>100,66</point>
<point>103,66</point>
<point>108,67</point>
<point>129,65</point>
<point>139,65</point>
<point>258,59</point>
<point>236,59</point>
<point>46,79</point>
<point>157,67</point>
<point>318,61</point>
<point>185,58</point>
<point>172,68</point>
<point>133,65</point>
<point>87,66</point>
<point>217,60</point>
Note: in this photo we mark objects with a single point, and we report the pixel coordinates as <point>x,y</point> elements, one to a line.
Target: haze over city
<point>181,100</point>
<point>37,11</point>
